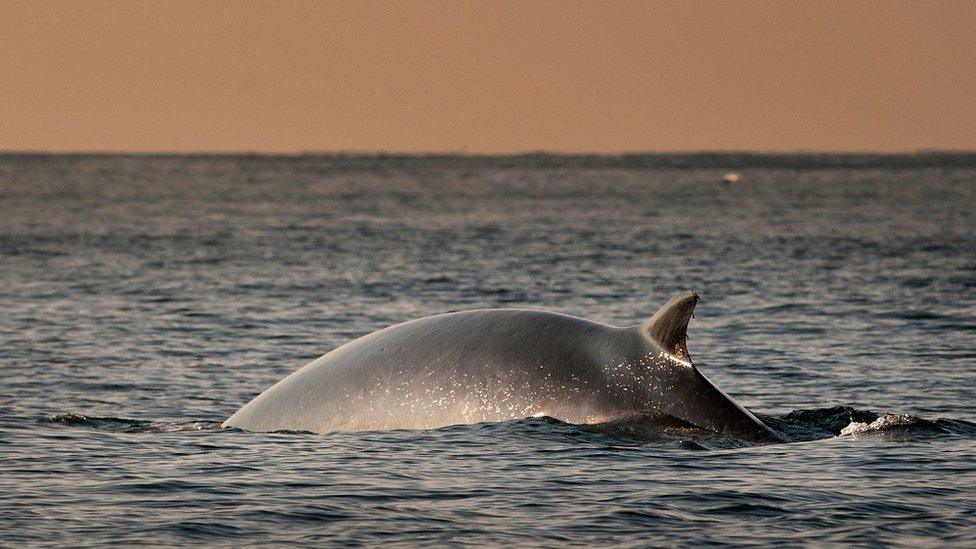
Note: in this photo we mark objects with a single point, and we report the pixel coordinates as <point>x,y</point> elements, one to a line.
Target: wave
<point>643,428</point>
<point>126,425</point>
<point>820,423</point>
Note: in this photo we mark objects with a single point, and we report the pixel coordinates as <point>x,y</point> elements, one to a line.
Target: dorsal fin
<point>669,326</point>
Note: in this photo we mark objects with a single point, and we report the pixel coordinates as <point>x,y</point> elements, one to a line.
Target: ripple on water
<point>144,299</point>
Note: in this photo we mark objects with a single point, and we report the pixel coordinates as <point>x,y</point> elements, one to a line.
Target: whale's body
<point>501,364</point>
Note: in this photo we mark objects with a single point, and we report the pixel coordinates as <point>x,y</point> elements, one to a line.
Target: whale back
<point>502,364</point>
<point>465,367</point>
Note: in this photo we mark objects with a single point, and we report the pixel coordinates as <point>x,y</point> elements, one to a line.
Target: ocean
<point>145,298</point>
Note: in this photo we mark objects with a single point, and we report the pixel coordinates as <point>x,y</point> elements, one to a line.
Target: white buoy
<point>731,177</point>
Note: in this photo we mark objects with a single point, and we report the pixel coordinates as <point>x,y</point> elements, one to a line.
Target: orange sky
<point>487,76</point>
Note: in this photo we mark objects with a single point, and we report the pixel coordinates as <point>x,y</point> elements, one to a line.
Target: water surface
<point>145,299</point>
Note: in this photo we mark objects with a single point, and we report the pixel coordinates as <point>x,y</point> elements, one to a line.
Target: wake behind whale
<point>504,364</point>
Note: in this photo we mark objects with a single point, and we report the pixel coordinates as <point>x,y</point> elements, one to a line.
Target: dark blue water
<point>144,299</point>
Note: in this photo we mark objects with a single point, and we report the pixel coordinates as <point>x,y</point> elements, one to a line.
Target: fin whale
<point>502,364</point>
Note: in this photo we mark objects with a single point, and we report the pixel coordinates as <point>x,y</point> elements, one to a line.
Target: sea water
<point>144,299</point>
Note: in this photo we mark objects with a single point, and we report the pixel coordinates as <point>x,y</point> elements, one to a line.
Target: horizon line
<point>476,154</point>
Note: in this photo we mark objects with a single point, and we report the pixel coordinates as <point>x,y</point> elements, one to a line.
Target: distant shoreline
<point>699,159</point>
